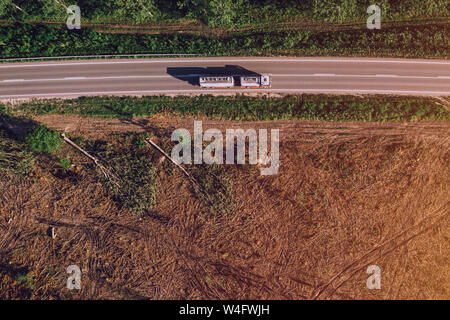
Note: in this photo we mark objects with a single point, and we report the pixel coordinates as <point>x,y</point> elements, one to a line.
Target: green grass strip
<point>306,107</point>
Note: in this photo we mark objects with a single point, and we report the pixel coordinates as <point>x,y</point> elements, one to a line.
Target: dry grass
<point>344,198</point>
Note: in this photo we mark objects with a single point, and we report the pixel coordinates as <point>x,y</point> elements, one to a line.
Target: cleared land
<point>347,195</point>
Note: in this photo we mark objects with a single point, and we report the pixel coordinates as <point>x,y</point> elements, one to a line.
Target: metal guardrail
<point>103,56</point>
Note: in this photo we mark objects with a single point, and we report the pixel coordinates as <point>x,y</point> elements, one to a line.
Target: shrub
<point>65,163</point>
<point>25,279</point>
<point>42,139</point>
<point>137,184</point>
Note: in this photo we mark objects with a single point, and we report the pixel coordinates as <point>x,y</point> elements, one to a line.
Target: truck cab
<point>266,80</point>
<point>255,81</point>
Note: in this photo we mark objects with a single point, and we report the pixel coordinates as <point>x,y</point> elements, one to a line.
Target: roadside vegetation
<point>42,139</point>
<point>223,13</point>
<point>240,107</point>
<point>413,41</point>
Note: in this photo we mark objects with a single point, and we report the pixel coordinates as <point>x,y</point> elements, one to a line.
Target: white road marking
<point>361,76</point>
<point>442,93</point>
<point>90,78</point>
<point>14,80</point>
<point>62,63</point>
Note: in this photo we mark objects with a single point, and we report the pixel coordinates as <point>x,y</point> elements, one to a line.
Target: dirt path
<point>290,130</point>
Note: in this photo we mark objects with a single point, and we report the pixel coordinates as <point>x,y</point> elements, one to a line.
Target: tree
<point>213,12</point>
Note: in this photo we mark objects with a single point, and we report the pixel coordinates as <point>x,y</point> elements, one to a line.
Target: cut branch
<point>108,174</point>
<point>151,15</point>
<point>154,145</point>
<point>17,7</point>
<point>61,4</point>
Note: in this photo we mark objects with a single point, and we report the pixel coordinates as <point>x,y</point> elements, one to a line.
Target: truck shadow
<point>191,74</point>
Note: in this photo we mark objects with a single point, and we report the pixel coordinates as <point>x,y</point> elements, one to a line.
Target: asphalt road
<point>180,76</point>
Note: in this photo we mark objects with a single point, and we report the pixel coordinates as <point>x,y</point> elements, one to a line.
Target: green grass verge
<point>303,107</point>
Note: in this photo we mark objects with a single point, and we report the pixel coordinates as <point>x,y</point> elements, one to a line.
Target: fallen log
<point>154,145</point>
<point>108,174</point>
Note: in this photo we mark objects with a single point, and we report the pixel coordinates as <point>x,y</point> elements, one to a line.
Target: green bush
<point>42,139</point>
<point>25,279</point>
<point>136,189</point>
<point>65,163</point>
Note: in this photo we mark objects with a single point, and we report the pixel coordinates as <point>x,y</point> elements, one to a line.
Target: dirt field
<point>347,195</point>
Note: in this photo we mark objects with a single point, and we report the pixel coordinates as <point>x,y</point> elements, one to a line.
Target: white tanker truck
<point>252,81</point>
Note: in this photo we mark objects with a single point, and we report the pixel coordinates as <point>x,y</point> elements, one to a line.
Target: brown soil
<point>290,130</point>
<point>347,195</point>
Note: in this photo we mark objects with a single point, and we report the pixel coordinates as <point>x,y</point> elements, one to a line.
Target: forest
<point>219,13</point>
